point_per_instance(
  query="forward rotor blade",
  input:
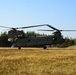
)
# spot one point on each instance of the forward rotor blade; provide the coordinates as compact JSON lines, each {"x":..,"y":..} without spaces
{"x":5,"y":27}
{"x":24,"y":27}
{"x":31,"y":26}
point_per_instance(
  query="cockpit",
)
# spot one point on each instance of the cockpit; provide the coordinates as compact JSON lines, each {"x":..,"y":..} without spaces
{"x":15,"y":34}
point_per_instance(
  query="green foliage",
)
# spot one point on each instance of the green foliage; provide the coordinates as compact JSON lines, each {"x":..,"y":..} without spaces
{"x":33,"y":34}
{"x":75,"y":41}
{"x":30,"y":33}
{"x":68,"y":42}
{"x":3,"y":34}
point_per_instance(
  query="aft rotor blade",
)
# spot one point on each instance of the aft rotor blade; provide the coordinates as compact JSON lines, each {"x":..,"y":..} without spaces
{"x":52,"y":27}
{"x":67,"y":30}
{"x":58,"y":30}
{"x":31,"y":26}
{"x":45,"y":30}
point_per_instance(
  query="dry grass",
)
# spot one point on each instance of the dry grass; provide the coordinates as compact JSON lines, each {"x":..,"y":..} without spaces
{"x":32,"y":61}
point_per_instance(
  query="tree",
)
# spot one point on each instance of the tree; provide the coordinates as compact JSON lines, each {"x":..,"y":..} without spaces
{"x":68,"y":42}
{"x":4,"y":40}
{"x":33,"y":34}
{"x":30,"y":34}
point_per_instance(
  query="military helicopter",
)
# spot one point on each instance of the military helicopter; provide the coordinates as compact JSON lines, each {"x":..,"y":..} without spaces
{"x":19,"y":39}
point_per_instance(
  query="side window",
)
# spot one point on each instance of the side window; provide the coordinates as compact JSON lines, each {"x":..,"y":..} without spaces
{"x":54,"y":38}
{"x":29,"y":40}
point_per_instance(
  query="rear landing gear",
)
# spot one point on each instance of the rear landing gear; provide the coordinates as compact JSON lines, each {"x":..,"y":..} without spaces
{"x":19,"y":47}
{"x":44,"y":47}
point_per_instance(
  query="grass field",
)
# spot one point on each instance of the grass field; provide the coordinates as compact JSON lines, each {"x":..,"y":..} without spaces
{"x":33,"y":61}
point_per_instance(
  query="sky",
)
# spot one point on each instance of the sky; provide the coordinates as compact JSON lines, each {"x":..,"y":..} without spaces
{"x":60,"y":14}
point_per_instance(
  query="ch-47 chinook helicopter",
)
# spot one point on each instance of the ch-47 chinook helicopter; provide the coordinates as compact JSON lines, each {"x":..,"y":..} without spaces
{"x":19,"y":39}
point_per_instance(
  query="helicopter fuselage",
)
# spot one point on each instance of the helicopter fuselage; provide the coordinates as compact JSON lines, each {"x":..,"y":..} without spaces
{"x":38,"y":41}
{"x":19,"y":39}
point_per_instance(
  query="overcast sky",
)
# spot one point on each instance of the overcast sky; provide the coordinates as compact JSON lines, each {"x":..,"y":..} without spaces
{"x":20,"y":13}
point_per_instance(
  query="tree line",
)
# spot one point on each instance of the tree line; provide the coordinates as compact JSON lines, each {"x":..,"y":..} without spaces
{"x":5,"y":43}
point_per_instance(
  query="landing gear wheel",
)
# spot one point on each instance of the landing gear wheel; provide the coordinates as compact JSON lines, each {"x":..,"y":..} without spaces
{"x":19,"y":47}
{"x":44,"y":47}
